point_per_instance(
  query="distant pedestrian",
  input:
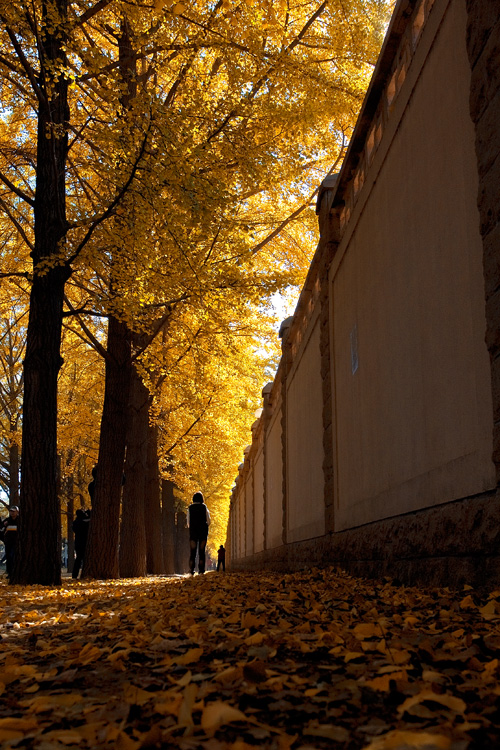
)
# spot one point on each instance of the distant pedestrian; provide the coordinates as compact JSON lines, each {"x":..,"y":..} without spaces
{"x":81,"y":531}
{"x":10,"y":537}
{"x":221,"y":558}
{"x":198,"y":521}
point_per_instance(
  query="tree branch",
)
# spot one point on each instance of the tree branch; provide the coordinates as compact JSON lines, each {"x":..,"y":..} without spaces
{"x":24,"y":62}
{"x":16,"y":190}
{"x":91,"y":339}
{"x":109,"y":211}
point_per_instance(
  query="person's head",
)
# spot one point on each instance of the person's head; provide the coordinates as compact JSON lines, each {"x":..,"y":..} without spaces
{"x":197,"y":497}
{"x":14,"y":511}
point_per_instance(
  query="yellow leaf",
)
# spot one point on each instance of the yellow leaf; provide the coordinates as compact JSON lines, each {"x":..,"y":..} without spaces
{"x":217,"y":714}
{"x":64,"y":736}
{"x":399,"y":657}
{"x":467,"y":603}
{"x":383,"y":682}
{"x":410,"y":621}
{"x":32,"y":689}
{"x":367,"y":630}
{"x":455,"y":704}
{"x":178,"y":9}
{"x":169,"y":705}
{"x":351,"y":655}
{"x":185,"y":679}
{"x":89,"y":653}
{"x":329,"y":731}
{"x":488,"y":609}
{"x":254,"y":640}
{"x":194,"y":654}
{"x":122,"y":654}
{"x":249,"y":620}
{"x":18,"y":725}
{"x":229,"y":675}
{"x":398,"y":739}
{"x":137,"y":696}
{"x":185,"y":717}
{"x":10,"y":734}
{"x":124,"y":742}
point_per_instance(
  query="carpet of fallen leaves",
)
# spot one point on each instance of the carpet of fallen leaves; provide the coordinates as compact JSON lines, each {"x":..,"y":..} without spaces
{"x":237,"y":661}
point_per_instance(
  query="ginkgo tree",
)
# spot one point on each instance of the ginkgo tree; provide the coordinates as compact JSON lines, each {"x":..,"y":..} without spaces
{"x":160,"y":149}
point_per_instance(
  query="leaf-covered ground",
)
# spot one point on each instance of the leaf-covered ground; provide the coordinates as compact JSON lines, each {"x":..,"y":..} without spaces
{"x":237,"y":661}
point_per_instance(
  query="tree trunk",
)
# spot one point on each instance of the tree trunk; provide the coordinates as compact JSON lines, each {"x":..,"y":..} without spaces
{"x":13,"y":474}
{"x":69,"y":524}
{"x":132,"y":532}
{"x":152,"y":514}
{"x":101,"y":560}
{"x":182,"y":544}
{"x":168,"y":522}
{"x":38,"y":559}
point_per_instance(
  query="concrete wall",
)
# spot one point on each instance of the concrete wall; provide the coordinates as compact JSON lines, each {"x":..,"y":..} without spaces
{"x":390,"y":397}
{"x":413,"y":413}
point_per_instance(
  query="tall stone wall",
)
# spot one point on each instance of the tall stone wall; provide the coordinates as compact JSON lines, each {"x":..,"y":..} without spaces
{"x":483,"y":46}
{"x":386,"y":404}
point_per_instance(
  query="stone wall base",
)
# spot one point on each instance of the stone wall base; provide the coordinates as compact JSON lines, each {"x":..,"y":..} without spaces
{"x":449,"y":545}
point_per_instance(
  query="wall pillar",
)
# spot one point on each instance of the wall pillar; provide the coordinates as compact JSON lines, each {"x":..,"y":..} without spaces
{"x":483,"y":47}
{"x":286,"y":364}
{"x":329,"y":239}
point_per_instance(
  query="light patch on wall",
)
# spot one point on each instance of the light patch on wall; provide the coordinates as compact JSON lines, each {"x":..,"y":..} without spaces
{"x":354,"y":349}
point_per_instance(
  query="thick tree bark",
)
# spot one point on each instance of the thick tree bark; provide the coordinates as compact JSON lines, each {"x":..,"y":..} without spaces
{"x":70,"y":514}
{"x":182,"y":544}
{"x":168,"y":522}
{"x":38,"y":559}
{"x":102,"y":547}
{"x":132,"y":531}
{"x":101,"y":559}
{"x":152,"y":508}
{"x":14,"y":474}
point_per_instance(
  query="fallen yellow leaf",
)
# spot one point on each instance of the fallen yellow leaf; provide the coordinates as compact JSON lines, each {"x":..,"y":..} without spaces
{"x":219,"y":713}
{"x":455,"y":704}
{"x":136,"y":695}
{"x":20,"y":725}
{"x":367,"y":630}
{"x":398,"y":739}
{"x":194,"y":654}
{"x":351,"y":655}
{"x":383,"y":682}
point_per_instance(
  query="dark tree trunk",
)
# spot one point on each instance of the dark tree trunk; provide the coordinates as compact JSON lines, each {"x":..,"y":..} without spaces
{"x":182,"y":544}
{"x":39,"y":554}
{"x":133,"y":532}
{"x":168,"y":522}
{"x":152,"y":514}
{"x":14,"y":474}
{"x":69,"y":524}
{"x":101,"y":560}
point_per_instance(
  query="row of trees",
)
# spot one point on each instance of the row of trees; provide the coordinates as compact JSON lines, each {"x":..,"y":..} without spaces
{"x":157,"y":163}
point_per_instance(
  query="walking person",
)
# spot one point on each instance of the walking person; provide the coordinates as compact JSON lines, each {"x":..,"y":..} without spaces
{"x":10,"y":537}
{"x":81,"y":531}
{"x":198,"y":521}
{"x":221,"y":558}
